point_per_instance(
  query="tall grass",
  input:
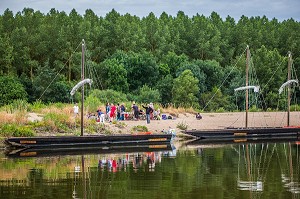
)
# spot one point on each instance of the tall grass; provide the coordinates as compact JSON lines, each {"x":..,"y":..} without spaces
{"x":176,"y":111}
{"x":16,"y":106}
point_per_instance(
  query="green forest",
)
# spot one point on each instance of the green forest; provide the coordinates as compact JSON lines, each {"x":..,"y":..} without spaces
{"x":179,"y":60}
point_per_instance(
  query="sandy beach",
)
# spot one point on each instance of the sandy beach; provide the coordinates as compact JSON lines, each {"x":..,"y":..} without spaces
{"x":219,"y":121}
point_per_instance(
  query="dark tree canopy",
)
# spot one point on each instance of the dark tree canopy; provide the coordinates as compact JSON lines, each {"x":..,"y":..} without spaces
{"x":129,"y":54}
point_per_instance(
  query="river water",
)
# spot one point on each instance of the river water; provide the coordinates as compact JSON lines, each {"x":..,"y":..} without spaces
{"x":265,"y":170}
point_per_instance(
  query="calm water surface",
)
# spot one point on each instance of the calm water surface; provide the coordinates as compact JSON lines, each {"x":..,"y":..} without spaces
{"x":189,"y":171}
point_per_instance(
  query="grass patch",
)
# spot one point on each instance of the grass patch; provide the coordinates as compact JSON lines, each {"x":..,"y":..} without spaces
{"x":182,"y":126}
{"x":139,"y":128}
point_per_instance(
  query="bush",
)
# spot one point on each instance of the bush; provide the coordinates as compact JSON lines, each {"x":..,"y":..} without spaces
{"x":254,"y":109}
{"x":110,"y":96}
{"x":57,"y":121}
{"x":220,"y":110}
{"x":16,"y":131}
{"x":139,"y":128}
{"x":295,"y":107}
{"x":182,"y":126}
{"x":11,"y":89}
{"x":37,"y":106}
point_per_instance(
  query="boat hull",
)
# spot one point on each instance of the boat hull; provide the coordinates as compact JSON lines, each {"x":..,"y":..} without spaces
{"x":86,"y":141}
{"x":71,"y":150}
{"x":202,"y":143}
{"x":245,"y":132}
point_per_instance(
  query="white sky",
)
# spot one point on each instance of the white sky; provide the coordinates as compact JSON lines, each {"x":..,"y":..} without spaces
{"x":280,"y":9}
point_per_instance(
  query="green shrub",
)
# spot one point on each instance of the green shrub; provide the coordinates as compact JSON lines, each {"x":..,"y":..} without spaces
{"x":120,"y":124}
{"x":295,"y":107}
{"x":220,"y":110}
{"x":139,"y":128}
{"x":92,"y":103}
{"x":37,"y":106}
{"x":254,"y":109}
{"x":11,"y":89}
{"x":57,"y":121}
{"x":110,"y":96}
{"x":8,"y":130}
{"x":182,"y":126}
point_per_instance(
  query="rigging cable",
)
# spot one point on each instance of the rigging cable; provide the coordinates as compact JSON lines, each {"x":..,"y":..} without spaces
{"x":59,"y":71}
{"x":224,"y":80}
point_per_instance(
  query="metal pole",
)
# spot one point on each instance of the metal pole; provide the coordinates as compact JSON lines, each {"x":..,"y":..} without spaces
{"x":247,"y":74}
{"x":82,"y":89}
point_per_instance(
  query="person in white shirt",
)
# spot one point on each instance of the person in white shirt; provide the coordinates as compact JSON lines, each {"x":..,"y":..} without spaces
{"x":76,"y":110}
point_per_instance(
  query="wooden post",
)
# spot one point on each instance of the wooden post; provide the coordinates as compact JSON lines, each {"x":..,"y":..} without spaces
{"x":289,"y":89}
{"x":82,"y":89}
{"x":247,"y":74}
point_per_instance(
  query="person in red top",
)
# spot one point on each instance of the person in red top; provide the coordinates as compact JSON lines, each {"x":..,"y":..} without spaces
{"x":113,"y":109}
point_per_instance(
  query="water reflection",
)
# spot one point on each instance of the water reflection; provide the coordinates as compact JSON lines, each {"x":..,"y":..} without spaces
{"x":214,"y":170}
{"x":256,"y":159}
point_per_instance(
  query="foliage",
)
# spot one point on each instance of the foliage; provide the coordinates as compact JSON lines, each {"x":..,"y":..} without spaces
{"x":185,"y":89}
{"x":36,"y":106}
{"x":50,"y":88}
{"x":16,"y":130}
{"x":110,"y":96}
{"x":40,"y":51}
{"x":11,"y":89}
{"x":295,"y":107}
{"x":164,"y":86}
{"x":115,"y":75}
{"x":147,"y":95}
{"x":16,"y":106}
{"x":254,"y":109}
{"x":182,"y":126}
{"x":139,"y":128}
{"x":92,"y":103}
{"x":215,"y":100}
{"x":57,"y":121}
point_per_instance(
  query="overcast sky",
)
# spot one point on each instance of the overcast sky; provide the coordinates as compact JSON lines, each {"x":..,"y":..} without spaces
{"x":280,"y":9}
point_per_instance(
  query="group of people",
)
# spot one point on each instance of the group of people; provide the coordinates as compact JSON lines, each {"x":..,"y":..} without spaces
{"x":117,"y":112}
{"x":112,"y":112}
{"x":150,"y":112}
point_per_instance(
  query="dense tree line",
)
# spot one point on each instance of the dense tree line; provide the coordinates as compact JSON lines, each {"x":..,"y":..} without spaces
{"x":171,"y":59}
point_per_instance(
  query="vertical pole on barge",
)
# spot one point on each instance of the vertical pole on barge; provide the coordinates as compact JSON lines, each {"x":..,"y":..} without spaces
{"x":247,"y":74}
{"x":289,"y":90}
{"x":82,"y":89}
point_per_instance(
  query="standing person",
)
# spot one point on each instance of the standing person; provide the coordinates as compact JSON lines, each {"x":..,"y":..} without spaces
{"x":118,"y":112}
{"x":148,"y":111}
{"x":113,"y":109}
{"x":122,"y":111}
{"x":107,"y":111}
{"x":76,"y":110}
{"x":135,"y":111}
{"x":101,"y":115}
{"x":151,"y":114}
